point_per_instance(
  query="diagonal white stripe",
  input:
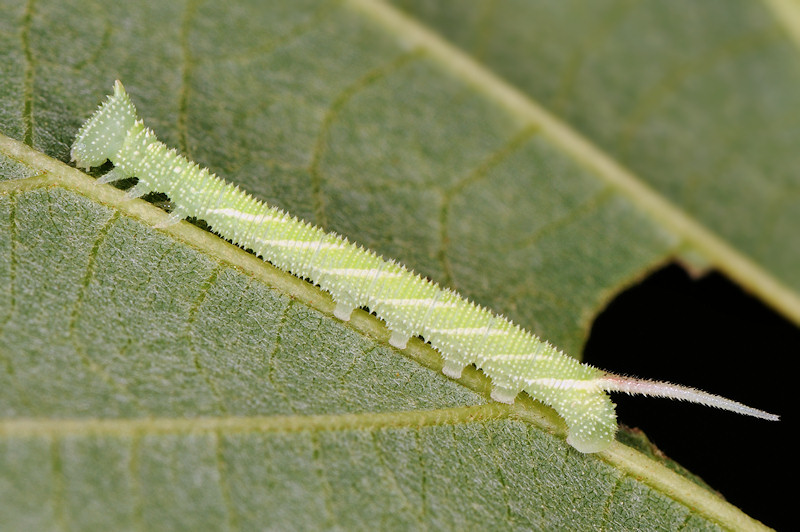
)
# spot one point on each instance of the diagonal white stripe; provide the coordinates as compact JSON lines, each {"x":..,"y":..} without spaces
{"x":416,"y":302}
{"x":356,"y":272}
{"x":460,"y":330}
{"x":520,"y":356}
{"x":592,"y":385}
{"x":296,"y":244}
{"x":246,"y":217}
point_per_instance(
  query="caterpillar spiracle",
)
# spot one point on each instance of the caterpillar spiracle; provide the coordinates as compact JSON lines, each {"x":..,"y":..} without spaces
{"x":462,"y":332}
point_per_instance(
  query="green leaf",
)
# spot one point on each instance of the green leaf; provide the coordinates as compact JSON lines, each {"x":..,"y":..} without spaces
{"x":537,"y":158}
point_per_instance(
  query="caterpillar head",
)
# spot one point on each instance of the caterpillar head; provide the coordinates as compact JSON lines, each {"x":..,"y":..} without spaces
{"x":101,"y":136}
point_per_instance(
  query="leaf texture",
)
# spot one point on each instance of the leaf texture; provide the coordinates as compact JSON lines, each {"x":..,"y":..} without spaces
{"x":168,"y":380}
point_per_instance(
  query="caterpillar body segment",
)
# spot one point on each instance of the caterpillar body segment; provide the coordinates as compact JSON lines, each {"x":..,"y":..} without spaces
{"x":464,"y":333}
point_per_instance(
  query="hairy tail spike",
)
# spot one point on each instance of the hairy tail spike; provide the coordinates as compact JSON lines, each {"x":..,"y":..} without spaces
{"x":634,"y":386}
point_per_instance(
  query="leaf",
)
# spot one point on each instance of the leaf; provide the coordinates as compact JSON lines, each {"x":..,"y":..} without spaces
{"x":166,"y":379}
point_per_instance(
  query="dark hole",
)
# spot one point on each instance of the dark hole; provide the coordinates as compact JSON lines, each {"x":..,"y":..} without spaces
{"x":710,"y":334}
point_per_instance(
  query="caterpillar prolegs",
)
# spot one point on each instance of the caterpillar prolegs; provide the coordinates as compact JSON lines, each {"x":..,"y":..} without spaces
{"x":461,"y":331}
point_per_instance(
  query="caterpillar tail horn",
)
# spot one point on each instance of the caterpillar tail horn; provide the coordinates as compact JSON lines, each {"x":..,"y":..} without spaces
{"x":634,"y":386}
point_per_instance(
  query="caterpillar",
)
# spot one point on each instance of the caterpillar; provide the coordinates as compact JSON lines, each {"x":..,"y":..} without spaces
{"x":463,"y":332}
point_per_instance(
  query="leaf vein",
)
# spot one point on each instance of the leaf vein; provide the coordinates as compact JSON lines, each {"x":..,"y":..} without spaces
{"x":338,"y":103}
{"x":123,"y":428}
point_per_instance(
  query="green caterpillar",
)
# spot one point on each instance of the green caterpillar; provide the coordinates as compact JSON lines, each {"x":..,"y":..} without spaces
{"x":463,"y":332}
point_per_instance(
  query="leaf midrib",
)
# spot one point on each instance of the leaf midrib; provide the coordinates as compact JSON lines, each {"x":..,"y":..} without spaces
{"x":747,"y":273}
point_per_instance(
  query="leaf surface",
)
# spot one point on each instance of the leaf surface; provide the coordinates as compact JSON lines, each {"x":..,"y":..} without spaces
{"x":165,"y":379}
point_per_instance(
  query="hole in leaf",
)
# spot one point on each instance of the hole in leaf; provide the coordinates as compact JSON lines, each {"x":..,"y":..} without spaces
{"x":709,"y":334}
